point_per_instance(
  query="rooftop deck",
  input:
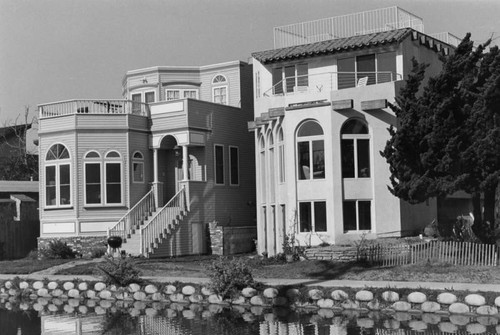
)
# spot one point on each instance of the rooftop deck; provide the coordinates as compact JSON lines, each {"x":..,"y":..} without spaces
{"x":93,"y":106}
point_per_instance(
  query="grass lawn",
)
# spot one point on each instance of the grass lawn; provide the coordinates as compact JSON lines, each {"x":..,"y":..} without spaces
{"x":193,"y":266}
{"x":26,"y":266}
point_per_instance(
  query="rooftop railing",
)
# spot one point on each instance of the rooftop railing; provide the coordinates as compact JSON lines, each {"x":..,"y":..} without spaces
{"x":448,"y":38}
{"x":94,"y":106}
{"x":361,"y":23}
{"x":329,"y":81}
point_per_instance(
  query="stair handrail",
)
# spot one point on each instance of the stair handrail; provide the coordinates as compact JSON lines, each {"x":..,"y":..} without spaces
{"x":146,"y":204}
{"x":159,"y":222}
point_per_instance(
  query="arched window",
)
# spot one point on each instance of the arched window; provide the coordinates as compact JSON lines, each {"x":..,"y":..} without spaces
{"x":219,"y":89}
{"x":57,"y":177}
{"x":310,"y":151}
{"x":138,"y":167}
{"x":355,"y":149}
{"x":281,"y":156}
{"x":103,"y":179}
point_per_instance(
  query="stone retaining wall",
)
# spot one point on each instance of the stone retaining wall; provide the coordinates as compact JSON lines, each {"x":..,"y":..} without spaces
{"x":82,"y":245}
{"x":385,"y":300}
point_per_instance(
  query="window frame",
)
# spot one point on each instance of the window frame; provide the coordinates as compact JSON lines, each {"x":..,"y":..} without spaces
{"x":281,"y":156}
{"x":222,"y":165}
{"x":312,"y":215}
{"x":310,"y":145}
{"x":139,"y":162}
{"x":357,"y":230}
{"x":354,"y":138}
{"x":220,"y":84}
{"x":297,"y":78}
{"x":57,"y":163}
{"x":103,"y":161}
{"x":231,"y":147}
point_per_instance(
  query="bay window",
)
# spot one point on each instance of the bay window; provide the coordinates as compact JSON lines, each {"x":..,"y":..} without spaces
{"x":103,"y":179}
{"x":57,"y":177}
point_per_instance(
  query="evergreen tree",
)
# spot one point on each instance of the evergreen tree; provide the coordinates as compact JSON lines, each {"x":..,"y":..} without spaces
{"x":448,"y":134}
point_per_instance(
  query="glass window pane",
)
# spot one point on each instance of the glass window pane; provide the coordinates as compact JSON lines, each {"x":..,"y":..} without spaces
{"x":113,"y":193}
{"x":136,"y":102}
{"x":302,"y":75}
{"x":50,"y":189}
{"x":364,"y":208}
{"x":354,"y":126}
{"x":318,"y":160}
{"x":65,"y":195}
{"x":138,"y":155}
{"x":233,"y":153}
{"x":138,"y":171}
{"x":93,"y":173}
{"x":346,"y":75}
{"x":93,"y":183}
{"x":363,"y":158}
{"x":290,"y":78}
{"x":366,"y":68}
{"x":386,"y":67}
{"x":310,"y":128}
{"x":349,"y":213}
{"x":277,"y":84}
{"x":149,"y":97}
{"x":113,"y":173}
{"x":320,"y":216}
{"x":303,"y":160}
{"x":219,"y":165}
{"x":305,"y":216}
{"x":92,"y":154}
{"x":64,"y":185}
{"x":281,"y":163}
{"x":347,"y":158}
{"x":64,"y":174}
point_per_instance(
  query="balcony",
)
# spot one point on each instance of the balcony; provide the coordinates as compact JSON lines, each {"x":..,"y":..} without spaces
{"x":94,"y":106}
{"x":319,"y":87}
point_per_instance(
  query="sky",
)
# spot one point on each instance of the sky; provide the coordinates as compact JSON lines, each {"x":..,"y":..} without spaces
{"x":53,"y":50}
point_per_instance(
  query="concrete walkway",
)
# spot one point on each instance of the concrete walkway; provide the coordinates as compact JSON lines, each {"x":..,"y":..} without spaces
{"x":280,"y":282}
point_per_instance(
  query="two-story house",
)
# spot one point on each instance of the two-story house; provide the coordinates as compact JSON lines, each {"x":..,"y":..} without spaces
{"x":321,"y":119}
{"x":153,"y":168}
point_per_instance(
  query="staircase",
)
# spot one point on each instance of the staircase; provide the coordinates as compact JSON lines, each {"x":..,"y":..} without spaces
{"x":144,"y":227}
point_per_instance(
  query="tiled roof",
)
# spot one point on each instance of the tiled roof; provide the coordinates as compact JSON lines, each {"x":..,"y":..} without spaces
{"x":332,"y":46}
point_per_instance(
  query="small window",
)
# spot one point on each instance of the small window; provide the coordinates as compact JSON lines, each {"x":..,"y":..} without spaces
{"x":312,"y":216}
{"x":234,"y":169}
{"x":219,"y":79}
{"x":136,"y":103}
{"x":191,"y":94}
{"x":149,"y":97}
{"x":173,"y":95}
{"x":219,"y":90}
{"x":57,"y":177}
{"x":219,"y":165}
{"x":357,"y":215}
{"x":138,"y":168}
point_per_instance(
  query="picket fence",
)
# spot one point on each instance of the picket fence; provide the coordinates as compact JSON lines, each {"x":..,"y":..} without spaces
{"x":456,"y":253}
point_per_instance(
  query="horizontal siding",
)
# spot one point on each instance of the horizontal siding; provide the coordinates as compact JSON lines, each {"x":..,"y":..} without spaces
{"x":138,"y":122}
{"x":140,"y":142}
{"x":56,"y":124}
{"x":172,"y":120}
{"x":233,"y":82}
{"x":102,"y":121}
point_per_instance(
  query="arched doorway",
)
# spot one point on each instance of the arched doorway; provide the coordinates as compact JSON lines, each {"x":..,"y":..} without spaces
{"x":169,"y":166}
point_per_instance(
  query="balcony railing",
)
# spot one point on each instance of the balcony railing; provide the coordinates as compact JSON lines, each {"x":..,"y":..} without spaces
{"x":329,"y":81}
{"x":95,"y":106}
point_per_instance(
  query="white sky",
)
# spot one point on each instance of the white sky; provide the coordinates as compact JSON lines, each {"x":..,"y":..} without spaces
{"x":52,"y":50}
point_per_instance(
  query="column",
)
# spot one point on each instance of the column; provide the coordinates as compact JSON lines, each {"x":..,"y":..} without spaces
{"x":185,"y":163}
{"x":156,"y":183}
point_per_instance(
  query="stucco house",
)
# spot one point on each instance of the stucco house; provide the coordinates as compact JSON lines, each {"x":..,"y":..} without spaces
{"x":154,"y":168}
{"x":321,"y":119}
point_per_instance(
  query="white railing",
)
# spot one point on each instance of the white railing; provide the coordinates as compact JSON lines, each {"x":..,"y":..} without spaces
{"x":141,"y":210}
{"x":163,"y":222}
{"x":361,"y":23}
{"x":329,"y":81}
{"x":448,"y":38}
{"x":93,"y":106}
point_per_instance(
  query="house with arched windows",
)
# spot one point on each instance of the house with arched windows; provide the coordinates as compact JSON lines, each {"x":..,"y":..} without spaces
{"x":321,"y":118}
{"x":154,"y":167}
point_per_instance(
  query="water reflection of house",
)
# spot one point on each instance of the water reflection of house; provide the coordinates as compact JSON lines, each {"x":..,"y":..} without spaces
{"x":154,"y":168}
{"x":321,"y":119}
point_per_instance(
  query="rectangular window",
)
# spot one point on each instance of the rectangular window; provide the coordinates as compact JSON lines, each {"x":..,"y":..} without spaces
{"x":347,"y":158}
{"x":50,"y":186}
{"x":312,"y":216}
{"x":277,"y":80}
{"x":346,"y":73}
{"x":136,"y":103}
{"x":365,"y":68}
{"x":257,"y":84}
{"x":281,"y":152}
{"x":318,"y":159}
{"x":357,"y":215}
{"x":191,"y":94}
{"x":173,"y":95}
{"x":363,"y":155}
{"x":287,"y":79}
{"x":386,"y":67}
{"x":302,"y":75}
{"x":138,"y":172}
{"x":149,"y":97}
{"x":372,"y":68}
{"x":113,"y":183}
{"x":355,"y":158}
{"x":64,"y":185}
{"x":303,"y":153}
{"x":234,"y":166}
{"x":93,"y":183}
{"x":220,"y":95}
{"x":219,"y":165}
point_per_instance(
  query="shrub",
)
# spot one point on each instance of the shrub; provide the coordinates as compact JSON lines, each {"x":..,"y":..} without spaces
{"x":98,"y":252}
{"x":120,"y":272}
{"x":58,"y":249}
{"x":229,"y":276}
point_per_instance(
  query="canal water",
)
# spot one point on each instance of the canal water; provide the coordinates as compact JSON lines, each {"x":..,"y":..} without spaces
{"x":43,"y":316}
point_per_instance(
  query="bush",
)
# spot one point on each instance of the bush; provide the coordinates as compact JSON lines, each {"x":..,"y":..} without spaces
{"x":59,"y":250}
{"x":98,"y":252}
{"x":229,"y":276}
{"x":120,"y":272}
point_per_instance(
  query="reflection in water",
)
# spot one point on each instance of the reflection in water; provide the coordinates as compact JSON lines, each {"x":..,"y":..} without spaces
{"x":63,"y":316}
